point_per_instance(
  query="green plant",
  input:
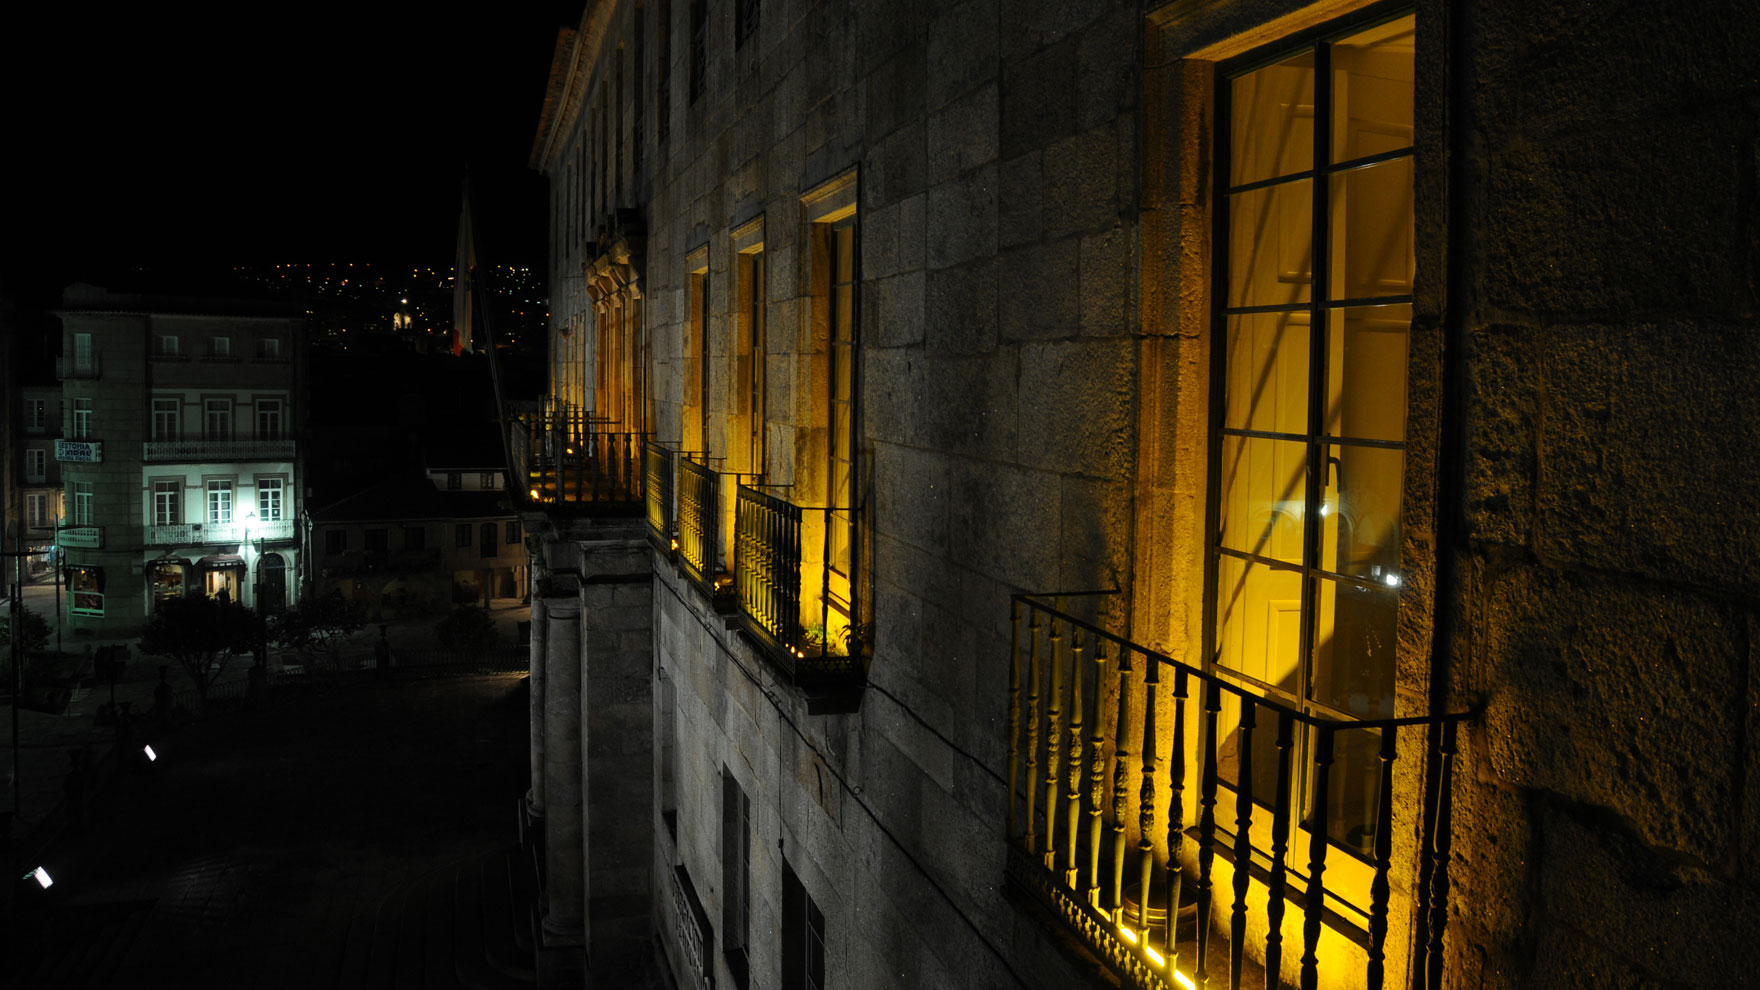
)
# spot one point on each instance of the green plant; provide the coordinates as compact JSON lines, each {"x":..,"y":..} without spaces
{"x":33,"y":630}
{"x":319,"y":625}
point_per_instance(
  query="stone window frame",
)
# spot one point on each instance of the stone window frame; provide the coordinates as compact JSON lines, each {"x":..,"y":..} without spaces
{"x":266,"y":406}
{"x":165,"y":485}
{"x":212,"y":485}
{"x":175,"y":421}
{"x":823,"y":208}
{"x":82,"y":418}
{"x":1184,"y":41}
{"x":694,"y":352}
{"x":36,"y":464}
{"x":219,"y":404}
{"x":277,"y":482}
{"x":36,"y":415}
{"x":83,"y":503}
{"x":750,"y":351}
{"x":36,"y":509}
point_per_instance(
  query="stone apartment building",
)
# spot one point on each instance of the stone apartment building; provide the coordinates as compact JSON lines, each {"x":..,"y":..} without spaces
{"x":1055,"y":494}
{"x":35,"y":496}
{"x":179,"y":453}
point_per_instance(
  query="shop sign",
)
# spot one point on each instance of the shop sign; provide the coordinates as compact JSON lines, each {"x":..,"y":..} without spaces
{"x":79,"y":451}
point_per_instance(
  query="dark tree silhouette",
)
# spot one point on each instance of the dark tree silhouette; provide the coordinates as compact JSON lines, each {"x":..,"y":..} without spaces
{"x":202,"y":634}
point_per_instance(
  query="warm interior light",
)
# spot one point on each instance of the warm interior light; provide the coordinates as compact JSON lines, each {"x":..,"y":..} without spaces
{"x":41,"y":876}
{"x":151,"y":756}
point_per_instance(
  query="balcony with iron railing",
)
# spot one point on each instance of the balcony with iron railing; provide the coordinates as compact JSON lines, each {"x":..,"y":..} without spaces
{"x":659,"y":467}
{"x":211,"y":450}
{"x":574,"y":462}
{"x":699,"y":518}
{"x":1281,"y":821}
{"x":202,"y":534}
{"x":788,"y":608}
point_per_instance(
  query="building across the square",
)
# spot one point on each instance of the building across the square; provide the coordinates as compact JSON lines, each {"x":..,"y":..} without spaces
{"x":1214,"y":492}
{"x":179,"y":453}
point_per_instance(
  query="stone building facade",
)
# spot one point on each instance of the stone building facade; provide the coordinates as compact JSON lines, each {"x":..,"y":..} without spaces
{"x":179,"y":454}
{"x":1037,"y":465}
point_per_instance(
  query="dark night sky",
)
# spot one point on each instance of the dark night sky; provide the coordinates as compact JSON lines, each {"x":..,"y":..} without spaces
{"x":269,"y":134}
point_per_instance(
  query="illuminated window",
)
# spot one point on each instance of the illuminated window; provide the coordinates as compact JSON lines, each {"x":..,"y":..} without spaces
{"x":220,"y":503}
{"x":82,"y":503}
{"x":1315,"y":242}
{"x":36,"y":464}
{"x":269,"y":499}
{"x":696,"y":394}
{"x":217,"y":419}
{"x":803,"y":935}
{"x":167,"y":416}
{"x":167,"y":496}
{"x":82,"y":419}
{"x":486,"y":480}
{"x":841,"y":491}
{"x":268,"y":419}
{"x":751,"y":401}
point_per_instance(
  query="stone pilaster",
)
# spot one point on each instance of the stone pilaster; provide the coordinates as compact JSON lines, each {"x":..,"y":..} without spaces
{"x":540,"y":636}
{"x":563,"y":810}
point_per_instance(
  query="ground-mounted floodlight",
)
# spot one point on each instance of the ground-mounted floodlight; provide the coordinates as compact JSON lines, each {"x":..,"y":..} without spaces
{"x":148,"y":751}
{"x":41,"y":876}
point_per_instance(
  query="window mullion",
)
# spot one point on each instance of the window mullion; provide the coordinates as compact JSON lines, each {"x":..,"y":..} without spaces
{"x":1319,"y":282}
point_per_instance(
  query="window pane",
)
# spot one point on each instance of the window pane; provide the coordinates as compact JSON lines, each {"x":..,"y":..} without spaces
{"x":1352,"y":788}
{"x":1271,"y":130}
{"x":1372,"y":90}
{"x":1259,"y":622}
{"x":1360,"y":513}
{"x":1270,"y":244}
{"x":1264,"y":483}
{"x":1366,"y":370}
{"x":1371,"y":231}
{"x":1267,"y":385}
{"x":1354,"y":647}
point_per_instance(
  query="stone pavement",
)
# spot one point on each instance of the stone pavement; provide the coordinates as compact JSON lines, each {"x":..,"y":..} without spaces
{"x":345,"y":833}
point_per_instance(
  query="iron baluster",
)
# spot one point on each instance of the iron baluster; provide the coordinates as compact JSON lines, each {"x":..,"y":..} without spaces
{"x":1146,"y":799}
{"x":1278,"y":891}
{"x":1243,"y":839}
{"x":1053,"y":742}
{"x":1120,"y":782}
{"x":1073,"y":797}
{"x":1316,"y":905}
{"x":1440,"y":842}
{"x":1096,"y":772}
{"x":1207,"y":829}
{"x":1378,"y":889}
{"x":1176,"y":817}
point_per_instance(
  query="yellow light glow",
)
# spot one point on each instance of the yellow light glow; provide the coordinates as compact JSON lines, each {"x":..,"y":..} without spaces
{"x":1184,"y":980}
{"x":1129,"y":936}
{"x":534,"y":493}
{"x":1156,"y":956}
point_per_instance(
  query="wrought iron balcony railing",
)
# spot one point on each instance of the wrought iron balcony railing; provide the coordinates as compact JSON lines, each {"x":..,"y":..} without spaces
{"x":570,"y":460}
{"x":767,"y":572}
{"x":251,"y":449}
{"x":199,"y":534}
{"x":1313,"y":824}
{"x":699,"y":510}
{"x":658,"y":467}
